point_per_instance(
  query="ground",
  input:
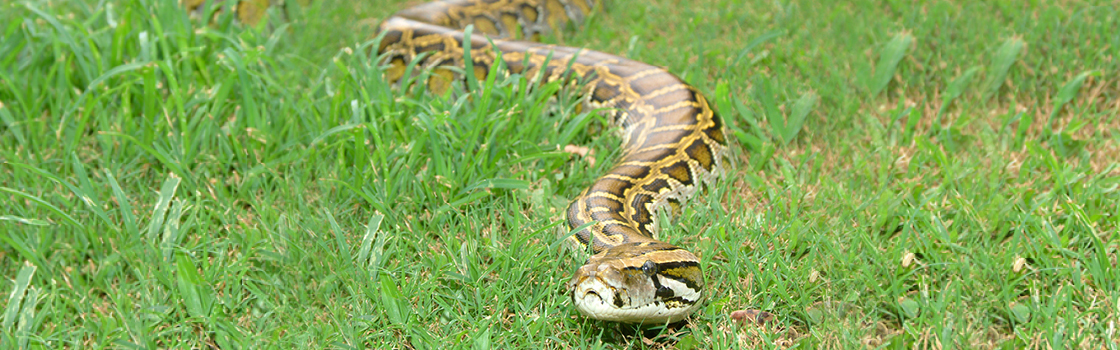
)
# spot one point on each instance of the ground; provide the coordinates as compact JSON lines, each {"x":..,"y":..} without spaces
{"x":931,"y":174}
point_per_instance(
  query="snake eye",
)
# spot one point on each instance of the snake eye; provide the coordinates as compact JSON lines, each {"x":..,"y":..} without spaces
{"x":649,"y":268}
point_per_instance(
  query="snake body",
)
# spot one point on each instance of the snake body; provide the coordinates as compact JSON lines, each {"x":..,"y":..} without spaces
{"x":673,"y":142}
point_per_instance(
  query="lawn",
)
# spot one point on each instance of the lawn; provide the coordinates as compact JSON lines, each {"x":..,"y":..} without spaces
{"x":910,"y":174}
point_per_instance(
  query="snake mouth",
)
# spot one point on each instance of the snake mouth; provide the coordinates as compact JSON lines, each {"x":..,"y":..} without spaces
{"x":585,"y":291}
{"x":592,"y":293}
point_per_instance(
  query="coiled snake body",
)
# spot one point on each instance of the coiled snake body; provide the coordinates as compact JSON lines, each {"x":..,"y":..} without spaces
{"x":673,"y":143}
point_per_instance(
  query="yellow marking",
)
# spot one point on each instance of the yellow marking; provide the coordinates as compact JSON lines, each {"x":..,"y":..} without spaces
{"x":671,"y":88}
{"x":605,"y":194}
{"x":641,"y":74}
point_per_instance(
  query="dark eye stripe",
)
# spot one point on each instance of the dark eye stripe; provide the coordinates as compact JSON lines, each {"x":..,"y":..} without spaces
{"x":679,"y":264}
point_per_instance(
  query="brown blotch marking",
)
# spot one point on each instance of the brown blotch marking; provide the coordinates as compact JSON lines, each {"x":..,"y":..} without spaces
{"x":666,"y":91}
{"x":574,"y":210}
{"x":605,"y":92}
{"x":617,"y":229}
{"x":681,"y":116}
{"x":631,"y":171}
{"x":653,"y":82}
{"x":607,"y":217}
{"x":436,"y":46}
{"x":648,"y":155}
{"x":666,"y":137}
{"x":668,"y":97}
{"x":699,"y":151}
{"x":391,"y":37}
{"x":611,"y":204}
{"x":613,"y":186}
{"x":679,"y":171}
{"x":641,"y":213}
{"x":656,"y":185}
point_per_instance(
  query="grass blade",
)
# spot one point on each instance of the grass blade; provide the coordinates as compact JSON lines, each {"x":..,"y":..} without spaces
{"x":166,"y":193}
{"x":66,"y":217}
{"x":509,"y":184}
{"x":757,"y":41}
{"x":25,"y":221}
{"x":957,"y":86}
{"x":125,"y":206}
{"x":23,"y":280}
{"x":390,"y":300}
{"x":1001,"y":65}
{"x":1069,"y":91}
{"x":188,"y":282}
{"x":10,"y":123}
{"x":171,"y":230}
{"x":27,"y":317}
{"x":364,"y":253}
{"x":888,"y":61}
{"x":801,"y":109}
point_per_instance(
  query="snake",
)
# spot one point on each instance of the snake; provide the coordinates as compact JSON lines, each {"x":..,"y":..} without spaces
{"x":673,"y":142}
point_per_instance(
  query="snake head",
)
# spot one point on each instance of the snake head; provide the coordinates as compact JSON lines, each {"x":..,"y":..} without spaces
{"x":647,"y":282}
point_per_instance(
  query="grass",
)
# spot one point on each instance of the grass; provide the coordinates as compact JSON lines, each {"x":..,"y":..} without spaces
{"x":911,"y":175}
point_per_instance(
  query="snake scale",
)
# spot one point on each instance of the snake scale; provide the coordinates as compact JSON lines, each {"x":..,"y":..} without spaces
{"x":673,"y":143}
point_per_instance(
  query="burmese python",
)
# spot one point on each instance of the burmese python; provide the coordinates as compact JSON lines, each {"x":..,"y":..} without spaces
{"x":673,"y":143}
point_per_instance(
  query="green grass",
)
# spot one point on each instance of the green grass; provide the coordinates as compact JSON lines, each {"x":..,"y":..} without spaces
{"x":911,"y":175}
